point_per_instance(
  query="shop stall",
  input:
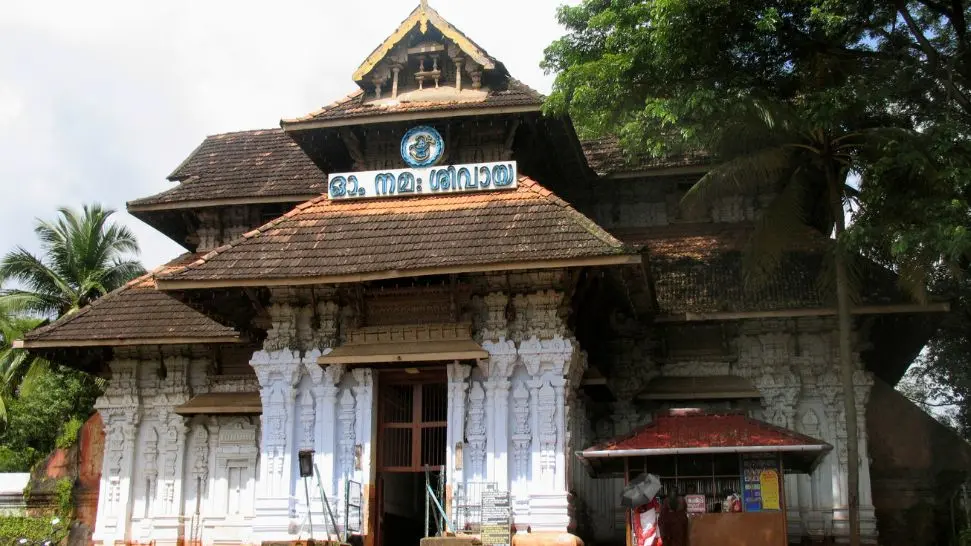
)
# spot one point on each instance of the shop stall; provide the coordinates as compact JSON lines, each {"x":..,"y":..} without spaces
{"x":723,"y":471}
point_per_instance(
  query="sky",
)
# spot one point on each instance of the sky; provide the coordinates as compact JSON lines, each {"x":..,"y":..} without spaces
{"x":100,"y":100}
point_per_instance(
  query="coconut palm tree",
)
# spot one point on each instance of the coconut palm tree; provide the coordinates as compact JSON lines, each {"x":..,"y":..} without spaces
{"x":84,"y":257}
{"x":14,"y":363}
{"x":804,"y":165}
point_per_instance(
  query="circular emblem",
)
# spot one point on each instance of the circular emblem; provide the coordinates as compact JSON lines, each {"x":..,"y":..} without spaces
{"x":421,"y":146}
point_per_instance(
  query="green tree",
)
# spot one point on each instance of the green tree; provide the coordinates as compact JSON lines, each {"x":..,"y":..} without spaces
{"x":14,"y":362}
{"x":84,"y":257}
{"x":790,"y":96}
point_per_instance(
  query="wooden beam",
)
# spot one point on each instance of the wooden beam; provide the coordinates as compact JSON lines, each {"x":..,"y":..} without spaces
{"x":41,"y":344}
{"x":304,"y":125}
{"x":206,"y":203}
{"x":903,"y":308}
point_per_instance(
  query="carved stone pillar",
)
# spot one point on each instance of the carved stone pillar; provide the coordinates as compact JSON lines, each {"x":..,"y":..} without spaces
{"x":458,"y":375}
{"x":120,"y":412}
{"x":863,"y":381}
{"x":325,"y":381}
{"x":476,"y":431}
{"x":278,"y":373}
{"x":548,"y":362}
{"x":364,"y":424}
{"x":498,"y":368}
{"x":198,"y":485}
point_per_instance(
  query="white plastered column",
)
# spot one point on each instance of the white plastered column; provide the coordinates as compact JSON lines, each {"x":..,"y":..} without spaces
{"x":497,"y":369}
{"x":548,"y":364}
{"x":458,"y":375}
{"x":365,"y":414}
{"x":278,"y":373}
{"x":120,"y":409}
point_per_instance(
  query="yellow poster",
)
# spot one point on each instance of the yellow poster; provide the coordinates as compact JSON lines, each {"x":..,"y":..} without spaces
{"x":769,"y":482}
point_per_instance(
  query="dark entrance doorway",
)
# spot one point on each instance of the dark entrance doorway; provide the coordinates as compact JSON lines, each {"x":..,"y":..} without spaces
{"x":412,"y":421}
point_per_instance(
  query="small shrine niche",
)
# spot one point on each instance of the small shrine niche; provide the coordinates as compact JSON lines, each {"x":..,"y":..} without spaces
{"x":428,"y":64}
{"x":427,"y":59}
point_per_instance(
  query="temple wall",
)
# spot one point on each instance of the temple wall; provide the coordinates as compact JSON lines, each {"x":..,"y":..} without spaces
{"x":514,"y":420}
{"x":794,"y":364}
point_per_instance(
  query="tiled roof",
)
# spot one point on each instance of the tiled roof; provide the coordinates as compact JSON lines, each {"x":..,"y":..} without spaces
{"x":135,"y":312}
{"x":605,"y":156}
{"x":383,"y":238}
{"x":693,"y":429}
{"x":355,"y":104}
{"x":698,"y":268}
{"x":248,"y":164}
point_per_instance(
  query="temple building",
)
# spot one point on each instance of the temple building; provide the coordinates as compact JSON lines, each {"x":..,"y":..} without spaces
{"x":436,"y":290}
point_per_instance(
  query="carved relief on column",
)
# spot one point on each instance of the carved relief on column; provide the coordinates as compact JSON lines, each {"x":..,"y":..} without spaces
{"x":325,"y":335}
{"x":363,"y":394}
{"x":517,"y":328}
{"x":120,"y":411}
{"x":521,"y":434}
{"x":151,"y":469}
{"x":498,"y":368}
{"x":543,"y":314}
{"x":476,"y":431}
{"x":282,"y":334}
{"x":306,"y":438}
{"x":494,"y":324}
{"x":200,"y":459}
{"x":346,"y":436}
{"x":458,"y":375}
{"x":278,"y":373}
{"x":546,"y":409}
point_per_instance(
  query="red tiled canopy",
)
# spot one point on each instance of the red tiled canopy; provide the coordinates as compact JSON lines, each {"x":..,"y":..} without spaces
{"x":693,"y":432}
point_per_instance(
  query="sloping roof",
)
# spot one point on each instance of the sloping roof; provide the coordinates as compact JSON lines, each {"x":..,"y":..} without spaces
{"x":352,"y":240}
{"x":135,"y":314}
{"x":690,"y":432}
{"x":606,"y":157}
{"x":253,"y":165}
{"x":516,"y":95}
{"x":695,"y":429}
{"x":420,"y":17}
{"x":698,"y":269}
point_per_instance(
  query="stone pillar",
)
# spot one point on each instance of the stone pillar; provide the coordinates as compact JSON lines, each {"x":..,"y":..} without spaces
{"x":325,"y":389}
{"x":458,"y":375}
{"x":364,"y":432}
{"x":278,"y":373}
{"x":497,"y":369}
{"x":548,"y":363}
{"x":868,"y":523}
{"x":476,"y":432}
{"x":168,"y":500}
{"x":198,"y":484}
{"x":120,"y":408}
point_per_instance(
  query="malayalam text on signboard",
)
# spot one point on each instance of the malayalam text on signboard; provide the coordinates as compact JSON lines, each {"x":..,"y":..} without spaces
{"x":472,"y":177}
{"x":496,"y":518}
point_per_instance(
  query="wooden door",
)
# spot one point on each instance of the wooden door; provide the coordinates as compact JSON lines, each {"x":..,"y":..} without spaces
{"x":412,"y":421}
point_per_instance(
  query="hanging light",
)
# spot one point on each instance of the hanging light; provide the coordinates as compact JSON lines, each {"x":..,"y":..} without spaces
{"x":306,"y":458}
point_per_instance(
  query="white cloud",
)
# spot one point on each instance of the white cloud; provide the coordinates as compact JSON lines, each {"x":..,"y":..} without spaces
{"x":100,"y":100}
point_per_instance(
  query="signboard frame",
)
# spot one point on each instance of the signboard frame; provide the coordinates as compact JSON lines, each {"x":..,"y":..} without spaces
{"x":496,"y":527}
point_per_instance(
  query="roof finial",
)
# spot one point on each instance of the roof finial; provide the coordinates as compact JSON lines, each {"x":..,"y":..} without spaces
{"x":423,"y":15}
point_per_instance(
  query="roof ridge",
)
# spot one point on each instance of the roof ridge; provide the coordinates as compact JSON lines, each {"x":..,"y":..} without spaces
{"x":246,"y":131}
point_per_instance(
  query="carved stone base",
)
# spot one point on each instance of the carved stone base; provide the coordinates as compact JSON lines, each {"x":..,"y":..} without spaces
{"x":272,"y":521}
{"x":549,"y":512}
{"x":546,"y":539}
